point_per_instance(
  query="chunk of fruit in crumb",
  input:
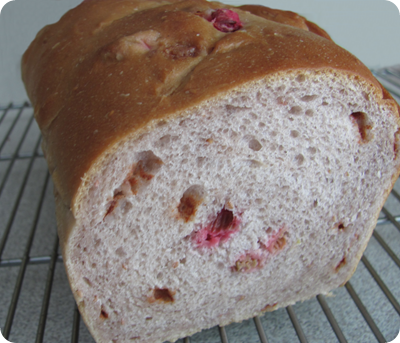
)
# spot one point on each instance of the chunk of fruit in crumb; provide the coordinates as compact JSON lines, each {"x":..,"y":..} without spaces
{"x":145,"y":169}
{"x":190,"y":201}
{"x":269,"y":308}
{"x":219,"y":231}
{"x":249,"y":262}
{"x":256,"y":259}
{"x":161,"y":295}
{"x":103,"y":313}
{"x":276,"y":242}
{"x":187,"y":207}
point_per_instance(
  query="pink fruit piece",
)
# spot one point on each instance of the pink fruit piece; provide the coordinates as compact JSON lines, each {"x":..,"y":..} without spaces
{"x":225,"y":20}
{"x":219,"y":231}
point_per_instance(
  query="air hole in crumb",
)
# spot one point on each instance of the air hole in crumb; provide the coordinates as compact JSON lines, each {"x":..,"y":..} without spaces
{"x":184,"y":122}
{"x":296,"y":110}
{"x":164,"y":141}
{"x":255,"y":145}
{"x":281,"y":88}
{"x":301,"y":78}
{"x":281,"y":100}
{"x":149,"y":318}
{"x":294,"y":133}
{"x":312,"y":150}
{"x":309,"y":113}
{"x":121,"y":252}
{"x":127,"y":207}
{"x":161,"y":123}
{"x":341,"y":227}
{"x":361,"y":120}
{"x":190,"y":201}
{"x":299,"y":159}
{"x":87,"y":281}
{"x":308,"y":98}
{"x":200,"y":161}
{"x":159,"y":275}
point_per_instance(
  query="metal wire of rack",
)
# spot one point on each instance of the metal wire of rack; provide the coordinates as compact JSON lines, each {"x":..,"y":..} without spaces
{"x":36,"y":304}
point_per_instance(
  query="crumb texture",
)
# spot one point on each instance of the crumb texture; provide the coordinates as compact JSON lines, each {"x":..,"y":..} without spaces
{"x":252,"y":201}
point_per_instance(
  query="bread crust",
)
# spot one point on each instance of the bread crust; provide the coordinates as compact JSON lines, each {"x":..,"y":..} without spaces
{"x":105,"y":91}
{"x":285,"y":17}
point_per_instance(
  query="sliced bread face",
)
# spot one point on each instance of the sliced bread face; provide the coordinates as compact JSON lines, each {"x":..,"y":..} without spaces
{"x":257,"y":198}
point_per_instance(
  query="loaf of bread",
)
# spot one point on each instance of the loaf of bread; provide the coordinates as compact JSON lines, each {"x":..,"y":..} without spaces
{"x":209,"y":162}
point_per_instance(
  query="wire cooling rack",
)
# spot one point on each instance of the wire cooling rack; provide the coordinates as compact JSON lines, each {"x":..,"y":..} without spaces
{"x":36,"y":304}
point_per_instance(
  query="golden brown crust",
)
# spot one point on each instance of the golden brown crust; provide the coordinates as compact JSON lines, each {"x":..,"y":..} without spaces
{"x":285,"y":17}
{"x":121,"y":65}
{"x":314,"y":28}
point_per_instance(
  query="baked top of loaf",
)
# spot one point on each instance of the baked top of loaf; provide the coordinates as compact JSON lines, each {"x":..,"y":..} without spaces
{"x":176,"y":58}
